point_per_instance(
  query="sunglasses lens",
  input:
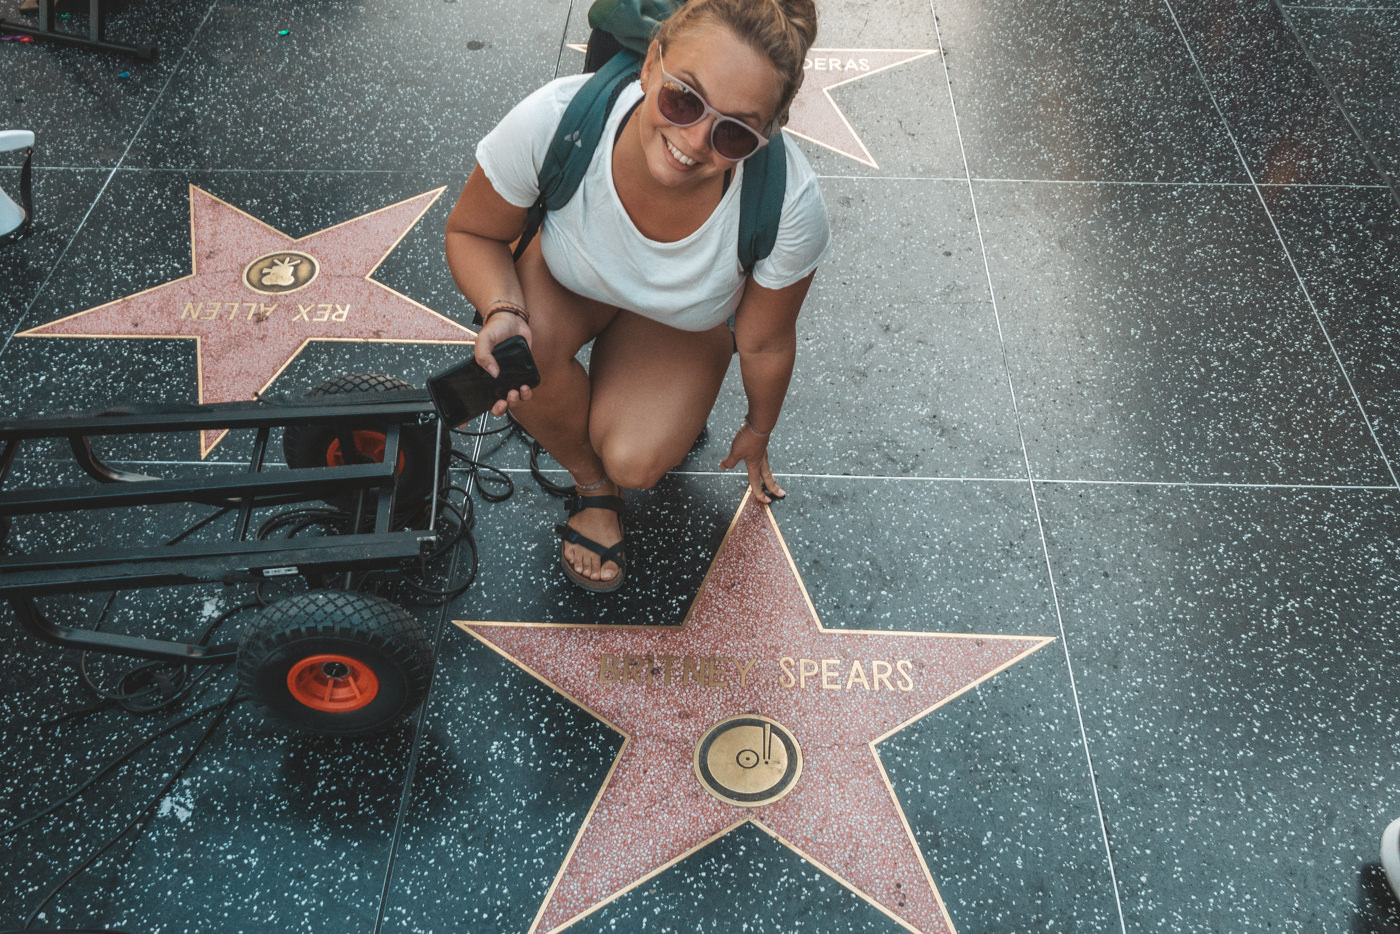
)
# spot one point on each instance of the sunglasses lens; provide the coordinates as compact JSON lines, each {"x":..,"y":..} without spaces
{"x":732,"y":139}
{"x":678,"y":105}
{"x":683,"y":107}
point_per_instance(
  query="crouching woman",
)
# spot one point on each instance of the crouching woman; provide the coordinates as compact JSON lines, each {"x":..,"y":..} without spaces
{"x":643,"y":262}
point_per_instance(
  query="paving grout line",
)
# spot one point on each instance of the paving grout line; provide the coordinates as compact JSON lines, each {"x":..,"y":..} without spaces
{"x":234,"y":170}
{"x":1283,"y":244}
{"x":1342,"y":186}
{"x":1335,"y":98}
{"x":950,"y":478}
{"x":980,"y":179}
{"x":1030,"y":479}
{"x":410,"y":775}
{"x":53,"y":267}
{"x":1110,"y":183}
{"x":875,"y":478}
{"x":63,"y":168}
{"x":1221,"y":485}
{"x":421,"y":718}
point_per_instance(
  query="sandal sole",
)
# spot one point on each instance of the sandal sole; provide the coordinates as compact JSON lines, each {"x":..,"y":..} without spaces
{"x":588,"y":583}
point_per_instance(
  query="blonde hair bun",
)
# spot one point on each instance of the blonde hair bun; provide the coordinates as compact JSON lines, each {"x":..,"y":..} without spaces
{"x":783,"y":30}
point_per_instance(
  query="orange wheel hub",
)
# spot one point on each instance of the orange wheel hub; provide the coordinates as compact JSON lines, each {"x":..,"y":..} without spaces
{"x":333,"y":683}
{"x":369,"y":444}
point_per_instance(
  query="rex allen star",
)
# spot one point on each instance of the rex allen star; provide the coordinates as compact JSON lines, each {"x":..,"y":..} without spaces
{"x":256,"y":297}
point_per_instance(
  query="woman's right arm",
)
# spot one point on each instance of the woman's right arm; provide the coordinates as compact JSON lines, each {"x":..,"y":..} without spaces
{"x":480,"y":231}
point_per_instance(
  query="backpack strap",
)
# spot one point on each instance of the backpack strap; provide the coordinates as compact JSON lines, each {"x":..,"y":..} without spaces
{"x":761,"y":202}
{"x":576,"y":139}
{"x":581,"y":128}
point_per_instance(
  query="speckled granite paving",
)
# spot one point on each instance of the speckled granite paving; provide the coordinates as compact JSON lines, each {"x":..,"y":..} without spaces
{"x":1082,"y":614}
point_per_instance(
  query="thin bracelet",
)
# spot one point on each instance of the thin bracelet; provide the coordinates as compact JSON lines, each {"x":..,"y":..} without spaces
{"x":749,"y":425}
{"x":590,"y":487}
{"x":509,"y":308}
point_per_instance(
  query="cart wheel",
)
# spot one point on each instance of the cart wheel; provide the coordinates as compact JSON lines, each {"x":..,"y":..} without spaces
{"x":318,"y":445}
{"x":336,"y":662}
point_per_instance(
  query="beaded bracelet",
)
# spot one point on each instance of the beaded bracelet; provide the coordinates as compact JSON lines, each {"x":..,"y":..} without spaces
{"x":509,"y":308}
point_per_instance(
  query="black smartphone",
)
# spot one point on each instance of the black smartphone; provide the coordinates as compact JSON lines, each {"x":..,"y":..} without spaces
{"x":462,"y":392}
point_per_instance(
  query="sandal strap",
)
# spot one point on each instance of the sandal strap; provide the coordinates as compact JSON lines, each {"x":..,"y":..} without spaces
{"x":577,"y":503}
{"x":615,"y":553}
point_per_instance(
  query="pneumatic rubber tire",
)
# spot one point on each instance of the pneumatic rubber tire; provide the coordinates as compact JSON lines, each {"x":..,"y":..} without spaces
{"x":336,"y":663}
{"x":318,"y":445}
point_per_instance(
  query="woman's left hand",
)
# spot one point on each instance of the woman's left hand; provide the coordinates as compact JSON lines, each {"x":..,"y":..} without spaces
{"x":752,"y":448}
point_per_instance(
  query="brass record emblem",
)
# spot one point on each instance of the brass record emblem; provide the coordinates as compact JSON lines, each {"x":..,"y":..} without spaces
{"x":280,"y":273}
{"x":748,"y":760}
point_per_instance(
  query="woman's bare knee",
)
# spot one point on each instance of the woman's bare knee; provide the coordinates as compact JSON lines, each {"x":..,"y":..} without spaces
{"x":634,"y":476}
{"x":633,"y":466}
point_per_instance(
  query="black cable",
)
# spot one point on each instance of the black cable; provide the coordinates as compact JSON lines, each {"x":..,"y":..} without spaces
{"x":484,"y":476}
{"x":438,"y":597}
{"x":299,"y":520}
{"x":465,"y":520}
{"x":450,"y":534}
{"x":149,"y":678}
{"x":546,"y":484}
{"x":485,"y":432}
{"x":166,"y":682}
{"x":499,"y":476}
{"x":223,"y":710}
{"x":292,"y":523}
{"x":222,"y":618}
{"x":535,"y":448}
{"x":155,"y":680}
{"x":111,"y":764}
{"x":91,"y":685}
{"x":76,"y":714}
{"x":454,"y":529}
{"x":217,"y":514}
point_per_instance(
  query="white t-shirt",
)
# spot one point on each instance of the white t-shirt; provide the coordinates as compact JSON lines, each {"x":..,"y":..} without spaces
{"x":593,"y":249}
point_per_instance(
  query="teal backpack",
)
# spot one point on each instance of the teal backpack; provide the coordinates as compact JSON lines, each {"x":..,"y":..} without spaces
{"x":622,"y":29}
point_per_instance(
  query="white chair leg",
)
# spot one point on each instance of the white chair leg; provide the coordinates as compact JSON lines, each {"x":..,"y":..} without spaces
{"x":11,"y":214}
{"x":1390,"y":855}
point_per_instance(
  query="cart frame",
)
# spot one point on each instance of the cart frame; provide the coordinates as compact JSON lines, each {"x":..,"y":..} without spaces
{"x":373,"y":487}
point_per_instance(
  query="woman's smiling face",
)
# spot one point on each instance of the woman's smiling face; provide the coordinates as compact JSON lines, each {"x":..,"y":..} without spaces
{"x":729,"y":75}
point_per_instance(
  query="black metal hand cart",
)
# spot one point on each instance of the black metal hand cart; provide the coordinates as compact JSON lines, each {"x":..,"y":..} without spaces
{"x":330,"y":659}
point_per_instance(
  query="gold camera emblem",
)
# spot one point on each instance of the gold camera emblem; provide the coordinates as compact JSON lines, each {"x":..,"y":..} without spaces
{"x":748,"y":761}
{"x":280,"y":273}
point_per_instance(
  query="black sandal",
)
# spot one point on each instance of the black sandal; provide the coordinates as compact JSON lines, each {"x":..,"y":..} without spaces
{"x":616,"y":553}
